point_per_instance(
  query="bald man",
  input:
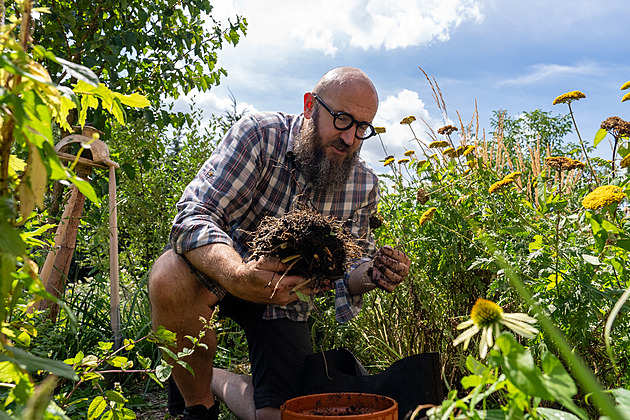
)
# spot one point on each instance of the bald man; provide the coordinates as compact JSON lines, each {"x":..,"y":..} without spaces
{"x":267,"y":164}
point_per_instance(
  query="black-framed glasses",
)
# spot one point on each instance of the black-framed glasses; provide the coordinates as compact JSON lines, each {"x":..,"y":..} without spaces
{"x":344,"y":121}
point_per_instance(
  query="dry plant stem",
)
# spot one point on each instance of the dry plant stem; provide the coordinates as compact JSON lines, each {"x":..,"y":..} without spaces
{"x":588,"y":161}
{"x":275,"y":289}
{"x":299,"y":286}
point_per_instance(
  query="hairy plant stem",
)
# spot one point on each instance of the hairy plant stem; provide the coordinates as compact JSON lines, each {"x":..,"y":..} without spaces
{"x":588,"y":160}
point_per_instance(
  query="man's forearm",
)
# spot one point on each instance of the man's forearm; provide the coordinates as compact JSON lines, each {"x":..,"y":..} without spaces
{"x":359,"y":282}
{"x":220,"y":262}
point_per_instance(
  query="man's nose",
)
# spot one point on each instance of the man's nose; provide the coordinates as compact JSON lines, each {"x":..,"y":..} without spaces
{"x":348,"y":136}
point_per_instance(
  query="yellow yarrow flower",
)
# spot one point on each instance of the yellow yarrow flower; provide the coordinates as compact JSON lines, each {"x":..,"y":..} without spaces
{"x":408,"y":120}
{"x":487,"y":317}
{"x":438,"y":144}
{"x":450,"y":152}
{"x":401,"y":161}
{"x":409,"y":152}
{"x":379,"y":130}
{"x":569,"y":97}
{"x":626,"y":85}
{"x":513,"y":175}
{"x":625,"y":162}
{"x":605,"y":195}
{"x":469,"y":150}
{"x":421,"y":162}
{"x":388,"y":161}
{"x":626,"y":97}
{"x":427,"y":216}
{"x":500,"y":184}
{"x":460,"y":150}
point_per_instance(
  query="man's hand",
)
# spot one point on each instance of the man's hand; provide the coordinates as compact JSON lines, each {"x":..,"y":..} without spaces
{"x":389,"y":268}
{"x":268,"y":282}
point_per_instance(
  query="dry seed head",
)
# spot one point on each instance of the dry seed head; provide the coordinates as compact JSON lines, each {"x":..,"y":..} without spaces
{"x":616,"y":127}
{"x":422,"y":196}
{"x":447,"y":129}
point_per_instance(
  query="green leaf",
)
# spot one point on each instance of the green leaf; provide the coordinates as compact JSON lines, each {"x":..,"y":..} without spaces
{"x":86,"y":189}
{"x":163,"y":371}
{"x":96,"y":408}
{"x":536,"y":244}
{"x":599,"y":136}
{"x":135,"y":100}
{"x":33,"y":363}
{"x":78,"y":71}
{"x":11,"y":243}
{"x":551,"y":414}
{"x":591,"y":259}
{"x":115,"y":396}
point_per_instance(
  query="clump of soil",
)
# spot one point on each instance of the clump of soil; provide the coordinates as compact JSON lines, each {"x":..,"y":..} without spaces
{"x":315,"y":246}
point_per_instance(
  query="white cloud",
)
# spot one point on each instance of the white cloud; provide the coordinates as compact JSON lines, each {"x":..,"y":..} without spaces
{"x":541,"y":72}
{"x":398,"y":138}
{"x":329,"y":26}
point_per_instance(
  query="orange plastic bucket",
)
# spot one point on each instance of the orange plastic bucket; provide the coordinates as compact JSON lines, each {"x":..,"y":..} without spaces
{"x":348,"y":405}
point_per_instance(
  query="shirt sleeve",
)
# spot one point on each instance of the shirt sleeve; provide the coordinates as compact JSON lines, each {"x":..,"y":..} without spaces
{"x":221,"y":191}
{"x":348,"y":306}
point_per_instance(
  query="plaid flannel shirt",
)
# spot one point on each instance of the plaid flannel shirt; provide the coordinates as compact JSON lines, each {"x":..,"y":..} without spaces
{"x":252,"y":174}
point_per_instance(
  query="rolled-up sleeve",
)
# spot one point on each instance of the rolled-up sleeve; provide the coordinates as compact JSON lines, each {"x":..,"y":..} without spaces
{"x":221,"y":191}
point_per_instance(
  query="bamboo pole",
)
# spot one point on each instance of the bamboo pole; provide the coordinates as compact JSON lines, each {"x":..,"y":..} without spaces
{"x":114,"y":277}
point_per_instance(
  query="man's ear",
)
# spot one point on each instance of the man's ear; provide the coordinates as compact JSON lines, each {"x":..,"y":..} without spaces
{"x":309,"y":103}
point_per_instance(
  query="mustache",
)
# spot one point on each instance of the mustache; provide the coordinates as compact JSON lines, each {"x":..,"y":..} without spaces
{"x":340,"y":144}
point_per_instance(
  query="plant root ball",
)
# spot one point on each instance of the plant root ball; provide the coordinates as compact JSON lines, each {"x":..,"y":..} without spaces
{"x":318,"y":246}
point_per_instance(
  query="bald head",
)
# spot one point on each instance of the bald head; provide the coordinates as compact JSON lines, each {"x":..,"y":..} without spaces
{"x":348,"y":81}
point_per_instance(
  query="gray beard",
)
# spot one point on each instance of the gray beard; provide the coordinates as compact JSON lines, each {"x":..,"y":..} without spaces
{"x":318,"y":170}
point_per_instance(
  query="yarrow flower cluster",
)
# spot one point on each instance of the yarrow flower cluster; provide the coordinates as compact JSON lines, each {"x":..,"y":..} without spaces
{"x":379,"y":130}
{"x":563,"y":163}
{"x":409,"y":152}
{"x":438,"y":144}
{"x":625,"y":162}
{"x":427,"y":216}
{"x":625,"y":86}
{"x":401,"y":161}
{"x":450,"y":152}
{"x":469,"y":150}
{"x":567,"y":98}
{"x":507,"y":180}
{"x":389,"y":161}
{"x":605,"y":195}
{"x":487,"y":317}
{"x":446,"y":130}
{"x":408,"y":120}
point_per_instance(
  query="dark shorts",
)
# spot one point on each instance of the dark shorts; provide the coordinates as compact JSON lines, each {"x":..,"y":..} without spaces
{"x":277,"y":348}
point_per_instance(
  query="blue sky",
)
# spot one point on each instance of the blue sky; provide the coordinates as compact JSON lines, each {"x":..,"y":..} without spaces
{"x":511,"y":55}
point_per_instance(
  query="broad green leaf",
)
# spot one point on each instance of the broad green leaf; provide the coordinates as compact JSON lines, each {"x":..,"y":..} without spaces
{"x":591,"y":259}
{"x":15,"y":165}
{"x":552,"y":414}
{"x":9,"y":372}
{"x":163,"y":372}
{"x":117,"y":361}
{"x":96,"y":408}
{"x":34,"y":182}
{"x":599,"y":136}
{"x":117,"y":110}
{"x":33,"y":363}
{"x":78,"y":71}
{"x":471,"y":381}
{"x":86,"y":189}
{"x":115,"y":396}
{"x":536,"y":244}
{"x":11,"y":243}
{"x":519,"y":367}
{"x":135,"y":100}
